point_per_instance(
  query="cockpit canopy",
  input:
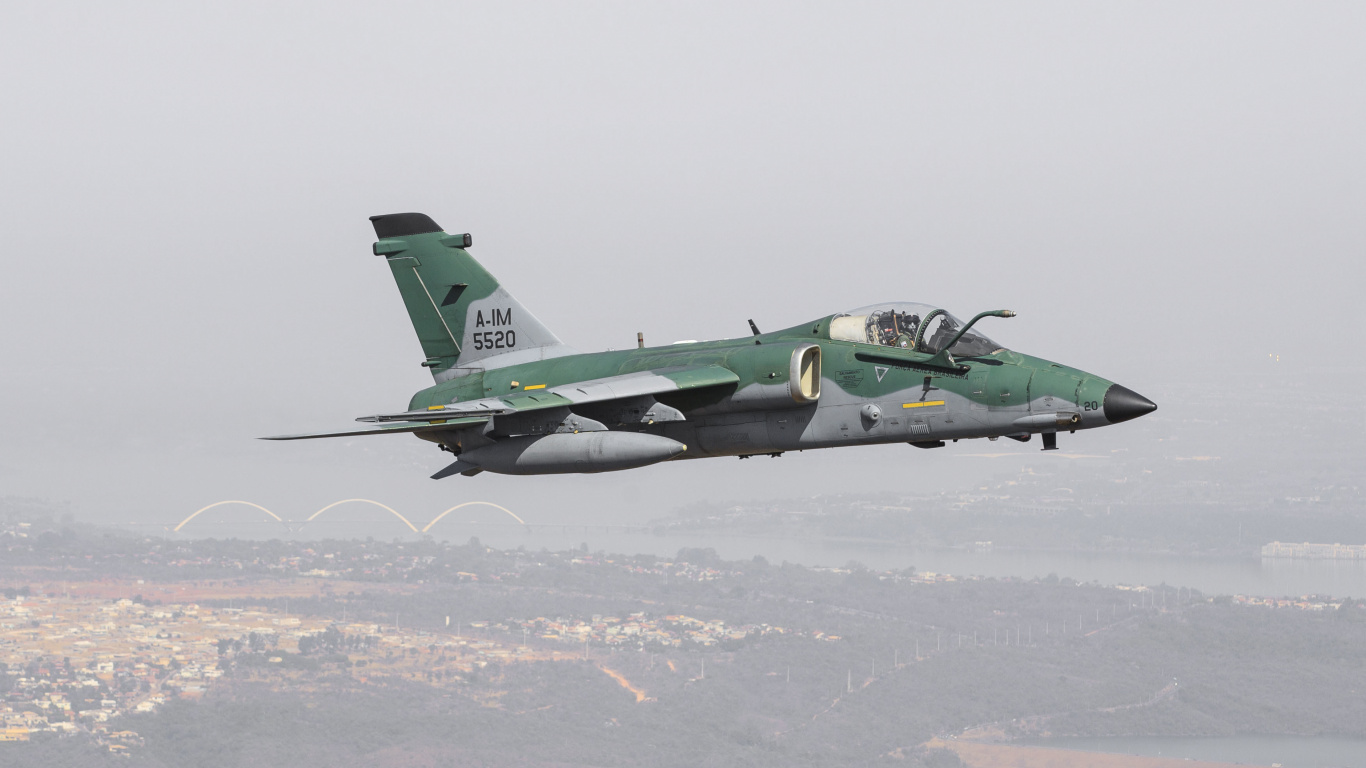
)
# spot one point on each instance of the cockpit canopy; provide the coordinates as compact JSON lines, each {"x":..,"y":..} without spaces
{"x":903,"y":324}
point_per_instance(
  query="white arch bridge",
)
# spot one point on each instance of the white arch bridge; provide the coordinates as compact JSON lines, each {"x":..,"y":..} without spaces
{"x":296,"y":526}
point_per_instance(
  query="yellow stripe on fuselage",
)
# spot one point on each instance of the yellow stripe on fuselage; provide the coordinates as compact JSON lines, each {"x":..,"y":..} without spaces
{"x":922,"y":405}
{"x":534,"y":386}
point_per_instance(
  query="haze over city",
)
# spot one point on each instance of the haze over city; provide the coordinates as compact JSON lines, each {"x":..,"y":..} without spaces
{"x":1167,"y":195}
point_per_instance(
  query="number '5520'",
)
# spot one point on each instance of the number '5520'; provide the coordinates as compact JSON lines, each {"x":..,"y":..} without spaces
{"x":495,"y":340}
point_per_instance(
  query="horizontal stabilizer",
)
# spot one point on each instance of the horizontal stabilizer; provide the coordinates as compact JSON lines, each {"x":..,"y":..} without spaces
{"x":458,"y":467}
{"x":459,"y":423}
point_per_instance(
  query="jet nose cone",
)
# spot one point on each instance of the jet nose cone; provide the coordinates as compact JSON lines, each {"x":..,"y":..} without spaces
{"x":1122,"y":404}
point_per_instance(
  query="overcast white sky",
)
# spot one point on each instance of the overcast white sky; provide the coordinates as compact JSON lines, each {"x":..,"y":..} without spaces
{"x":1160,"y":190}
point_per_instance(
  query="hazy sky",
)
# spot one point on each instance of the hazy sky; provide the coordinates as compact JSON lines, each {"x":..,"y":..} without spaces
{"x":1161,"y":191}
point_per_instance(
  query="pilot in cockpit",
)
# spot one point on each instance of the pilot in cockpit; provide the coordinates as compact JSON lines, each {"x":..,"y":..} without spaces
{"x":895,"y":329}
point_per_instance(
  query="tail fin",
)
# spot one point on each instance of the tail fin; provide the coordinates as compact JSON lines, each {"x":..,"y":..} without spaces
{"x":463,"y":317}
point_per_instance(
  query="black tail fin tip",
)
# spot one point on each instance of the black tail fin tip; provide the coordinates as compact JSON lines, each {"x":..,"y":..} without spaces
{"x":402,"y":224}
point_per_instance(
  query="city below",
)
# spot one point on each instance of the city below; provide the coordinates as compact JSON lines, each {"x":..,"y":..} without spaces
{"x":112,"y":640}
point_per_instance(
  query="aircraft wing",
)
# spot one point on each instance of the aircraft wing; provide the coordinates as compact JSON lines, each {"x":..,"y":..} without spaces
{"x":424,"y":426}
{"x":656,"y":382}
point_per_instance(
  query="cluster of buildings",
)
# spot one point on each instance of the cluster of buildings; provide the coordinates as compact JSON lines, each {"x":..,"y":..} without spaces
{"x":1299,"y":603}
{"x":642,"y":632}
{"x":1315,"y":551}
{"x":76,"y":663}
{"x":682,"y":571}
{"x":903,"y":576}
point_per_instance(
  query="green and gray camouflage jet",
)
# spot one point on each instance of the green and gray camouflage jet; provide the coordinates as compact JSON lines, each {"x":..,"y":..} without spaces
{"x":511,"y":398}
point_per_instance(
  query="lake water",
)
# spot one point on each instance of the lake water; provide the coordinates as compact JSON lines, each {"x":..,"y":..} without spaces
{"x":1289,"y":751}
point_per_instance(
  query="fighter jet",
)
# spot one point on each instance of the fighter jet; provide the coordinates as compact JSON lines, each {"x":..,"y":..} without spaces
{"x":511,"y":398}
